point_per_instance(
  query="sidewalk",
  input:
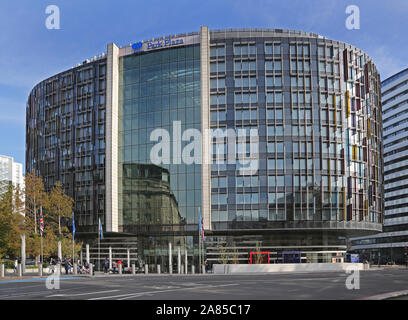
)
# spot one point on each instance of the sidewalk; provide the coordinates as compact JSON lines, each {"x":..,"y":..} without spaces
{"x":388,"y":266}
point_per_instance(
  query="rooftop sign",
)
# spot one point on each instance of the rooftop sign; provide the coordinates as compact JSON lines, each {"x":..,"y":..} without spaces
{"x":156,"y":44}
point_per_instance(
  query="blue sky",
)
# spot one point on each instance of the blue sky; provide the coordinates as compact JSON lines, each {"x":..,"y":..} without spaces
{"x":30,"y":52}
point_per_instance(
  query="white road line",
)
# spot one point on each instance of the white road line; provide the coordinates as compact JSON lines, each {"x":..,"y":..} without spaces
{"x":80,"y":294}
{"x":386,"y":295}
{"x":136,"y":294}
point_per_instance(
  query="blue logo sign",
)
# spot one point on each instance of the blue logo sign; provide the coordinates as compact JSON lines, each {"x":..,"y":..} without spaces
{"x":137,"y":46}
{"x":164,"y":43}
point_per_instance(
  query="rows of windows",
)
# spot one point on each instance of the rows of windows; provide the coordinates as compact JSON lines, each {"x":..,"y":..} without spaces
{"x":333,"y":158}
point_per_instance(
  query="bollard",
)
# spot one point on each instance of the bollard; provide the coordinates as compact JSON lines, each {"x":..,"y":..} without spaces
{"x":146,"y":269}
{"x":193,"y":269}
{"x":203,"y":269}
{"x":2,"y":271}
{"x":170,"y":259}
{"x":75,"y":268}
{"x":91,"y":269}
{"x":158,"y":269}
{"x":40,"y":269}
{"x":185,"y":261}
{"x":133,"y":269}
{"x":20,"y":270}
{"x":120,"y":268}
{"x":87,"y":254}
{"x":110,"y":258}
{"x":178,"y":260}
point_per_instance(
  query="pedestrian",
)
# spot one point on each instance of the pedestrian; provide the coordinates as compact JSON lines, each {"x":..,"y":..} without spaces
{"x":66,"y":264}
{"x":119,"y":264}
{"x":70,"y":266}
{"x":114,"y":266}
{"x":52,"y":265}
{"x":15,"y":265}
{"x":105,"y":266}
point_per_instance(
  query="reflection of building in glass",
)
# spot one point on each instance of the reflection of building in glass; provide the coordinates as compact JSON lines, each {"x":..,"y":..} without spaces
{"x":315,"y":103}
{"x":390,"y":246}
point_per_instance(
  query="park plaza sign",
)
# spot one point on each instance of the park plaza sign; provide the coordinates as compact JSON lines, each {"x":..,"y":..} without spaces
{"x":156,"y":44}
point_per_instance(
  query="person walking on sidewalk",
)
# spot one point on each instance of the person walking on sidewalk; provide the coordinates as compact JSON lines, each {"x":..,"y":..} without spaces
{"x":105,"y":266}
{"x":52,"y":265}
{"x":119,"y":264}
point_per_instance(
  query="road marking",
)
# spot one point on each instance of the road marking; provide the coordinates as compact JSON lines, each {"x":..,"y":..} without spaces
{"x":383,"y":296}
{"x":160,"y":287}
{"x":136,"y":294}
{"x":80,"y":294}
{"x":37,"y":279}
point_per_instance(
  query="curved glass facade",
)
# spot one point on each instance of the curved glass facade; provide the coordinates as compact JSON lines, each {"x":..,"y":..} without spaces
{"x":315,"y":105}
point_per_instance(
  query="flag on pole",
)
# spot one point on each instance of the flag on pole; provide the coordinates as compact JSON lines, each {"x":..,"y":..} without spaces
{"x":41,"y":222}
{"x":73,"y":227}
{"x":200,"y":224}
{"x":100,"y":229}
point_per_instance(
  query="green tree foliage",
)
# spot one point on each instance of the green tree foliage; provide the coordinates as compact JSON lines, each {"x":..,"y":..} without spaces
{"x":56,"y":208}
{"x":223,"y":257}
{"x":35,"y":197}
{"x":59,"y":209}
{"x":11,"y":222}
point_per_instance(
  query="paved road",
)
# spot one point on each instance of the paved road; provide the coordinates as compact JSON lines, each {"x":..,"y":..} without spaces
{"x":210,"y":287}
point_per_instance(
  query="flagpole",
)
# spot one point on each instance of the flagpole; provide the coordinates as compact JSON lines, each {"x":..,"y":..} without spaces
{"x":73,"y":240}
{"x":199,"y":251}
{"x":199,"y":241}
{"x":41,"y":240}
{"x":42,"y":253}
{"x":99,"y":241}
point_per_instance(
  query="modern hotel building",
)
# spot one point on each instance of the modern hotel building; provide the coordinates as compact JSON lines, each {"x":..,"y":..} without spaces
{"x":392,"y":244}
{"x":313,"y":104}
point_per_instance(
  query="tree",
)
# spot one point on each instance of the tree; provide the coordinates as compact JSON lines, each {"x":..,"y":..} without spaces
{"x":11,"y":223}
{"x":33,"y":245}
{"x":235,"y":256}
{"x":35,"y":197}
{"x":223,"y":258}
{"x":258,"y":256}
{"x":59,"y":206}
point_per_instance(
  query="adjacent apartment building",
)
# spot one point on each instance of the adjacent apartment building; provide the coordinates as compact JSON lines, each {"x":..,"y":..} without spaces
{"x":10,"y":173}
{"x":392,"y":245}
